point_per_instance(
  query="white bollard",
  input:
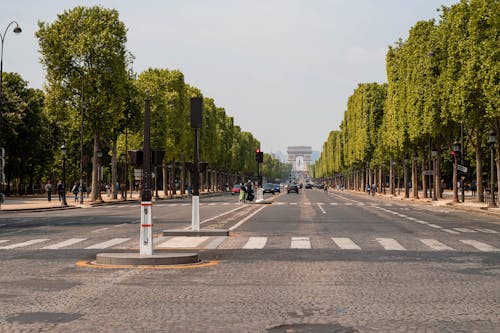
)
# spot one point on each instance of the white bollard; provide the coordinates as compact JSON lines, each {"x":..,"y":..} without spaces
{"x":260,"y":195}
{"x":146,"y":235}
{"x":195,"y":213}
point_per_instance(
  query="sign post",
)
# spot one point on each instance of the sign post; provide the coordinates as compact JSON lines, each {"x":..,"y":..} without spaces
{"x":196,"y":119}
{"x":146,"y":235}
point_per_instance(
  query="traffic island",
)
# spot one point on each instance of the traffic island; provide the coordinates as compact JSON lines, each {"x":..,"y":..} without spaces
{"x":136,"y":259}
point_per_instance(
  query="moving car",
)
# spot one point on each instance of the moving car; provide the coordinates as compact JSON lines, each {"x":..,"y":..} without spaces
{"x":293,"y":188}
{"x":308,"y":185}
{"x":236,"y":189}
{"x":268,"y":188}
{"x":277,"y":188}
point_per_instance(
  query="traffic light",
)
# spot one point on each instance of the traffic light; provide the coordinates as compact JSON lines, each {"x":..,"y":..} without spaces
{"x":259,"y":156}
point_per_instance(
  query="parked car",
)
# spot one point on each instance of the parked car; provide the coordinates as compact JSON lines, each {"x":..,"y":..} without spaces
{"x":236,"y":189}
{"x":308,"y":185}
{"x":293,"y":188}
{"x":277,"y":188}
{"x":268,"y":188}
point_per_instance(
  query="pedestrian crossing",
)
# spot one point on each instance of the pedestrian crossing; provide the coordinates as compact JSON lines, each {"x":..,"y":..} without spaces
{"x":259,"y":242}
{"x":237,"y":203}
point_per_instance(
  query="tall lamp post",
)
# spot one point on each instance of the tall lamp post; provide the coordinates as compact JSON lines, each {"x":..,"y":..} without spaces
{"x":63,"y":152}
{"x":492,"y":139}
{"x":99,"y":175}
{"x":455,"y":147}
{"x":16,"y":30}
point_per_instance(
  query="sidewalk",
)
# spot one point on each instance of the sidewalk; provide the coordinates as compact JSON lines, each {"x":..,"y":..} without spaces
{"x":37,"y":202}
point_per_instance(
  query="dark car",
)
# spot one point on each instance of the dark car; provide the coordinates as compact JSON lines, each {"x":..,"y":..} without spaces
{"x":268,"y":188}
{"x":308,"y":185}
{"x":236,"y":189}
{"x":277,"y":188}
{"x":293,"y":188}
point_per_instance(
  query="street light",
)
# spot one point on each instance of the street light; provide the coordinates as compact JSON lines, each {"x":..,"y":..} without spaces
{"x":63,"y":152}
{"x":455,"y":147}
{"x":492,"y":139}
{"x":16,"y":30}
{"x":405,"y":176}
{"x":99,"y":176}
{"x":124,"y":179}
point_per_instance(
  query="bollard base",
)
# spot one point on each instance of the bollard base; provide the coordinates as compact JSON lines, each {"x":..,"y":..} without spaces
{"x":137,"y":259}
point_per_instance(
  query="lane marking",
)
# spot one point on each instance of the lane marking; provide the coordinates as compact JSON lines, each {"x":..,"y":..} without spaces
{"x":246,"y":218}
{"x":488,"y":231}
{"x":464,"y":230}
{"x":434,"y":226}
{"x":321,"y":208}
{"x":4,"y":240}
{"x":436,"y":245}
{"x":183,"y":242}
{"x":390,"y":244}
{"x":106,"y":244}
{"x":300,"y":243}
{"x":255,"y":243}
{"x":480,"y":246}
{"x":293,"y":203}
{"x":217,"y":216}
{"x":23,"y":244}
{"x":453,"y":232}
{"x":345,"y":243}
{"x":99,"y":230}
{"x":64,"y":243}
{"x":334,"y":203}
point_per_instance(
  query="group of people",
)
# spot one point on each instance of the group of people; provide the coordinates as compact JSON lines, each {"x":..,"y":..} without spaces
{"x":246,"y":192}
{"x":60,"y":189}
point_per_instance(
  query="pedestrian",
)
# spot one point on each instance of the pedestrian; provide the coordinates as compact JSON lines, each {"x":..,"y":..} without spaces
{"x":242,"y":192}
{"x":75,"y":189}
{"x":108,"y":189}
{"x":60,"y":190}
{"x":48,"y":189}
{"x":325,"y":187}
{"x":473,"y":187}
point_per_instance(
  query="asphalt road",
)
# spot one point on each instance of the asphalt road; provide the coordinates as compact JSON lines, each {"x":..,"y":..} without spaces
{"x":313,"y":262}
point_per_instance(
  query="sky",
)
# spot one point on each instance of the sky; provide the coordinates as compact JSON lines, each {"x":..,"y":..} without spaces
{"x":283,"y":69}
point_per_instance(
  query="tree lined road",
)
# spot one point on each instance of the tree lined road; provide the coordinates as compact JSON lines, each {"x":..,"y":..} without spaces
{"x":314,"y":261}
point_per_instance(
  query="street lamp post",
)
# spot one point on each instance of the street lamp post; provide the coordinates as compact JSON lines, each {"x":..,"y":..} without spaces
{"x":124,"y":178}
{"x":99,"y":175}
{"x":492,"y":139}
{"x":63,"y":152}
{"x":16,"y":30}
{"x":433,"y":155}
{"x":456,"y":150}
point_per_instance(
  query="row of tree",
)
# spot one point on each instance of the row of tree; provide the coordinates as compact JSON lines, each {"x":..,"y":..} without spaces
{"x":91,"y":86}
{"x":443,"y":84}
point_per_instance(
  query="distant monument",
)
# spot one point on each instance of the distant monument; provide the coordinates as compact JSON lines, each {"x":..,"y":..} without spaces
{"x":299,"y":157}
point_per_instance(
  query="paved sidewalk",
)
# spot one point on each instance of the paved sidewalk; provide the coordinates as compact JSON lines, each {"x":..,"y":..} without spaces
{"x":37,"y":202}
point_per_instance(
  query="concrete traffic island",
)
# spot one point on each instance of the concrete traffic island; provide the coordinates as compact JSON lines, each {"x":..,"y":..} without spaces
{"x":196,"y":233}
{"x":136,"y":259}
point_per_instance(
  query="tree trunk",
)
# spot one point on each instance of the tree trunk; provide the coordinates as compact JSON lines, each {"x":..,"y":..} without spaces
{"x":424,"y":177}
{"x":183,"y":176}
{"x":96,"y":192}
{"x":414,"y":174}
{"x":479,"y":169}
{"x":114,"y":171}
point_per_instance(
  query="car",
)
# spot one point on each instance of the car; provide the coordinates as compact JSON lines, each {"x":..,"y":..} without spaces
{"x":277,"y":188}
{"x":236,"y":189}
{"x":292,"y":188}
{"x":268,"y":188}
{"x":308,"y":185}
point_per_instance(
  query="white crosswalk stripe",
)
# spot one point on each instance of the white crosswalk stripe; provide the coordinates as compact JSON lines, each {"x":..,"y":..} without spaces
{"x":480,"y":245}
{"x":4,"y":240}
{"x":345,"y":243}
{"x":436,"y":245}
{"x":390,"y":244}
{"x":488,"y":231}
{"x":23,"y":244}
{"x":255,"y":243}
{"x":64,"y":243}
{"x":300,"y":243}
{"x":453,"y":232}
{"x":464,"y":230}
{"x":106,"y":244}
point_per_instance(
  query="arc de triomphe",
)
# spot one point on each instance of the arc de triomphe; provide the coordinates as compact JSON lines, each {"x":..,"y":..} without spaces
{"x":299,"y":157}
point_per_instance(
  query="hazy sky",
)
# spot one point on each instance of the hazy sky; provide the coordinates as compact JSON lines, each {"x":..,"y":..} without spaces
{"x":282,"y":68}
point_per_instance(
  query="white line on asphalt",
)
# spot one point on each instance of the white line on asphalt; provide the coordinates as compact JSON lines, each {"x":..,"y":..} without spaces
{"x":321,"y":208}
{"x":453,"y":232}
{"x":464,"y":230}
{"x":186,"y":204}
{"x":293,"y":203}
{"x":434,"y":226}
{"x":421,"y":222}
{"x":480,"y":246}
{"x":4,"y":240}
{"x":246,"y":218}
{"x":342,"y":197}
{"x":99,"y":230}
{"x":119,"y":225}
{"x":255,"y":243}
{"x":488,"y":231}
{"x":64,"y":243}
{"x":103,"y":245}
{"x":217,"y":216}
{"x":183,"y":242}
{"x":300,"y":243}
{"x":23,"y":244}
{"x":345,"y":243}
{"x":390,"y":244}
{"x":334,"y":203}
{"x":435,"y":245}
{"x":172,"y":205}
{"x":212,"y":204}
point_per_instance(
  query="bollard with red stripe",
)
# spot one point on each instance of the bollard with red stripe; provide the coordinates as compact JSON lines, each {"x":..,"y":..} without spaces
{"x":146,"y":235}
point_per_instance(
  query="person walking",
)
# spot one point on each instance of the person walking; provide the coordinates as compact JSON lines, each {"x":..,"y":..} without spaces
{"x":75,"y":189}
{"x":243,"y":193}
{"x":48,"y":189}
{"x":60,"y":190}
{"x":473,"y":187}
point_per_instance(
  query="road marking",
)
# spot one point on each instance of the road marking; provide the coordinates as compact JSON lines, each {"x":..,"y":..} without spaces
{"x":23,"y":244}
{"x":435,"y":244}
{"x":212,"y":204}
{"x":300,"y":243}
{"x":64,"y":243}
{"x":390,"y":244}
{"x":4,"y":240}
{"x":334,"y":203}
{"x":480,"y":246}
{"x":293,"y":203}
{"x":453,"y":232}
{"x":226,"y":204}
{"x":246,"y":218}
{"x":186,"y":204}
{"x":434,"y":226}
{"x":321,"y":208}
{"x":421,"y":222}
{"x":217,"y":216}
{"x":215,"y":242}
{"x":103,"y":245}
{"x":345,"y":243}
{"x":464,"y":230}
{"x":411,"y":218}
{"x":281,"y":203}
{"x":119,"y":225}
{"x":488,"y":231}
{"x":172,"y":205}
{"x":255,"y":243}
{"x":183,"y":242}
{"x":99,"y":230}
{"x":348,"y":203}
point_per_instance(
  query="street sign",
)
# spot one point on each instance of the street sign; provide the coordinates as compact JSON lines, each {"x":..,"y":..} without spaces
{"x":137,"y":174}
{"x":428,"y":172}
{"x":461,"y":168}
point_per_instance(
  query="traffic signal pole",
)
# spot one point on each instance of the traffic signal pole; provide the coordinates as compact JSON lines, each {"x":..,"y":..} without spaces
{"x":196,"y":120}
